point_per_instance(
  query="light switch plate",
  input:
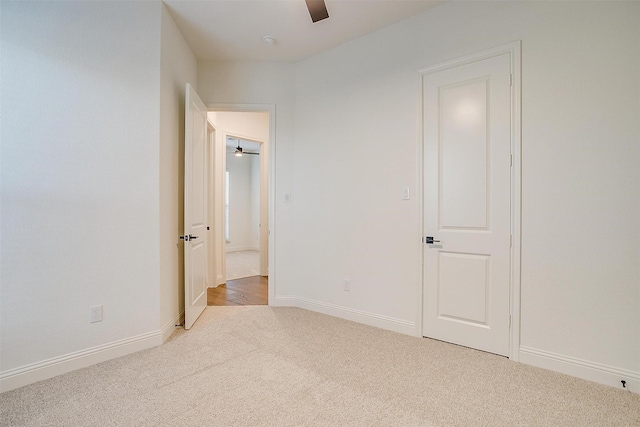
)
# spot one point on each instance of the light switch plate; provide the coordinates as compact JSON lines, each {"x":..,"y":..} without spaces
{"x":406,"y":194}
{"x":95,"y":313}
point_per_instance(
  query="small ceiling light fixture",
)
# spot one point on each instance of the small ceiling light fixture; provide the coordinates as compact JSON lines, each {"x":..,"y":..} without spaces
{"x":269,"y":40}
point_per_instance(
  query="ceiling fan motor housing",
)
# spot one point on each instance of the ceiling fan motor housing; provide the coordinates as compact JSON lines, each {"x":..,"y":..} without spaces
{"x":317,"y":10}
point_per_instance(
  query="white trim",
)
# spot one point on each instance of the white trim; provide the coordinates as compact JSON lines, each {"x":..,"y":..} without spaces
{"x":28,"y":374}
{"x":516,"y":196}
{"x":591,"y":371}
{"x":513,"y":49}
{"x":371,"y":319}
{"x":420,"y":198}
{"x":284,"y":301}
{"x":271,"y":109}
{"x":50,"y":368}
{"x":474,"y":57}
{"x":235,"y":135}
{"x":230,"y":248}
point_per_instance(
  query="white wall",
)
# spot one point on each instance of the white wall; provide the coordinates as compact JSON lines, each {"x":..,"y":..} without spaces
{"x":254,"y":224}
{"x":241,"y":206}
{"x":178,"y":66}
{"x":249,"y":125}
{"x":79,"y":183}
{"x":356,"y":147}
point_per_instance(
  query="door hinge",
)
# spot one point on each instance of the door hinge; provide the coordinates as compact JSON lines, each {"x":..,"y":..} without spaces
{"x":510,"y":160}
{"x":509,"y":320}
{"x":510,"y":79}
{"x":510,"y":240}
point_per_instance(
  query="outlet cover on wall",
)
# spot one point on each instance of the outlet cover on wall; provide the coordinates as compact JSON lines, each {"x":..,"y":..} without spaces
{"x":406,"y":195}
{"x":346,"y":285}
{"x":95,"y":313}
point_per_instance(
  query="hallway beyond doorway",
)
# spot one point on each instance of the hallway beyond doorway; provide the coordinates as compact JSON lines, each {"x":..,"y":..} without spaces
{"x":243,"y":264}
{"x":246,"y":291}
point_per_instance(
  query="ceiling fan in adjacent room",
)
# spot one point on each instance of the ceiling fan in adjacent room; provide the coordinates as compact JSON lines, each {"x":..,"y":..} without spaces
{"x":239,"y":151}
{"x":317,"y":10}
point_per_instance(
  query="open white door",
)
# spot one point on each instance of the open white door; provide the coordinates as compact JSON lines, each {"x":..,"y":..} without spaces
{"x":467,"y":204}
{"x":196,"y":206}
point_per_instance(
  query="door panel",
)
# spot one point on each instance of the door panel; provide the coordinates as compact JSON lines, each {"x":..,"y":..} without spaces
{"x":463,"y":146}
{"x":463,"y":287}
{"x":196,"y":204}
{"x":467,"y":149}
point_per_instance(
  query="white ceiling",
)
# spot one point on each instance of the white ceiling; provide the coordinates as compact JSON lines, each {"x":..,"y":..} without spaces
{"x":232,"y":30}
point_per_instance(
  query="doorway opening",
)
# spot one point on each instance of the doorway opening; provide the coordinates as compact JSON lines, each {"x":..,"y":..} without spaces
{"x":241,"y":208}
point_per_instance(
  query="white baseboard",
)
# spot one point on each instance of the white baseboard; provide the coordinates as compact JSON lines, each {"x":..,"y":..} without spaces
{"x":580,"y":368}
{"x":28,"y":374}
{"x":283,"y":301}
{"x":364,"y":317}
{"x":241,"y":248}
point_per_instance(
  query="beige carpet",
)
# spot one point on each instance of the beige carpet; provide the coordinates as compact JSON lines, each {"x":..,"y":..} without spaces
{"x":265,"y":366}
{"x":243,"y":264}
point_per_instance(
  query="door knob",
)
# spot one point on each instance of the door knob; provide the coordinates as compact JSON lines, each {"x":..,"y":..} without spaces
{"x":429,"y":240}
{"x":188,"y":237}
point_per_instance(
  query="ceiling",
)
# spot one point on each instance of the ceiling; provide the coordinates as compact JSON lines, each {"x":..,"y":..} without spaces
{"x":232,"y":30}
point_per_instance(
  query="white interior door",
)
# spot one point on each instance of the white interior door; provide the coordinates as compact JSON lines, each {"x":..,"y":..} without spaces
{"x":467,"y":203}
{"x":196,"y":205}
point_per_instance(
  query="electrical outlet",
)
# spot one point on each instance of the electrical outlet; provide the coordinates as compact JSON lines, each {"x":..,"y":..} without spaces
{"x":287,"y":197}
{"x":95,"y":313}
{"x":346,"y":285}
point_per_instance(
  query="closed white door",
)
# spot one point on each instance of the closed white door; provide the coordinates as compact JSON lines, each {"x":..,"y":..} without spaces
{"x":196,"y":205}
{"x":467,"y":202}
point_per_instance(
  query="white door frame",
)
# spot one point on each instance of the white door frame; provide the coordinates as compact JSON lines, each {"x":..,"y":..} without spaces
{"x":211,"y":143}
{"x":513,"y":49}
{"x":271,"y":231}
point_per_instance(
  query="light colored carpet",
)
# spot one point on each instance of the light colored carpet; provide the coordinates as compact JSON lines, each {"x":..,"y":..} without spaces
{"x":243,"y":264}
{"x":266,"y":366}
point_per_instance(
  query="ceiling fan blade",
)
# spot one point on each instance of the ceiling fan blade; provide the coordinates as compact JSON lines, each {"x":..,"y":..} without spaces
{"x":255,"y":154}
{"x":317,"y":10}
